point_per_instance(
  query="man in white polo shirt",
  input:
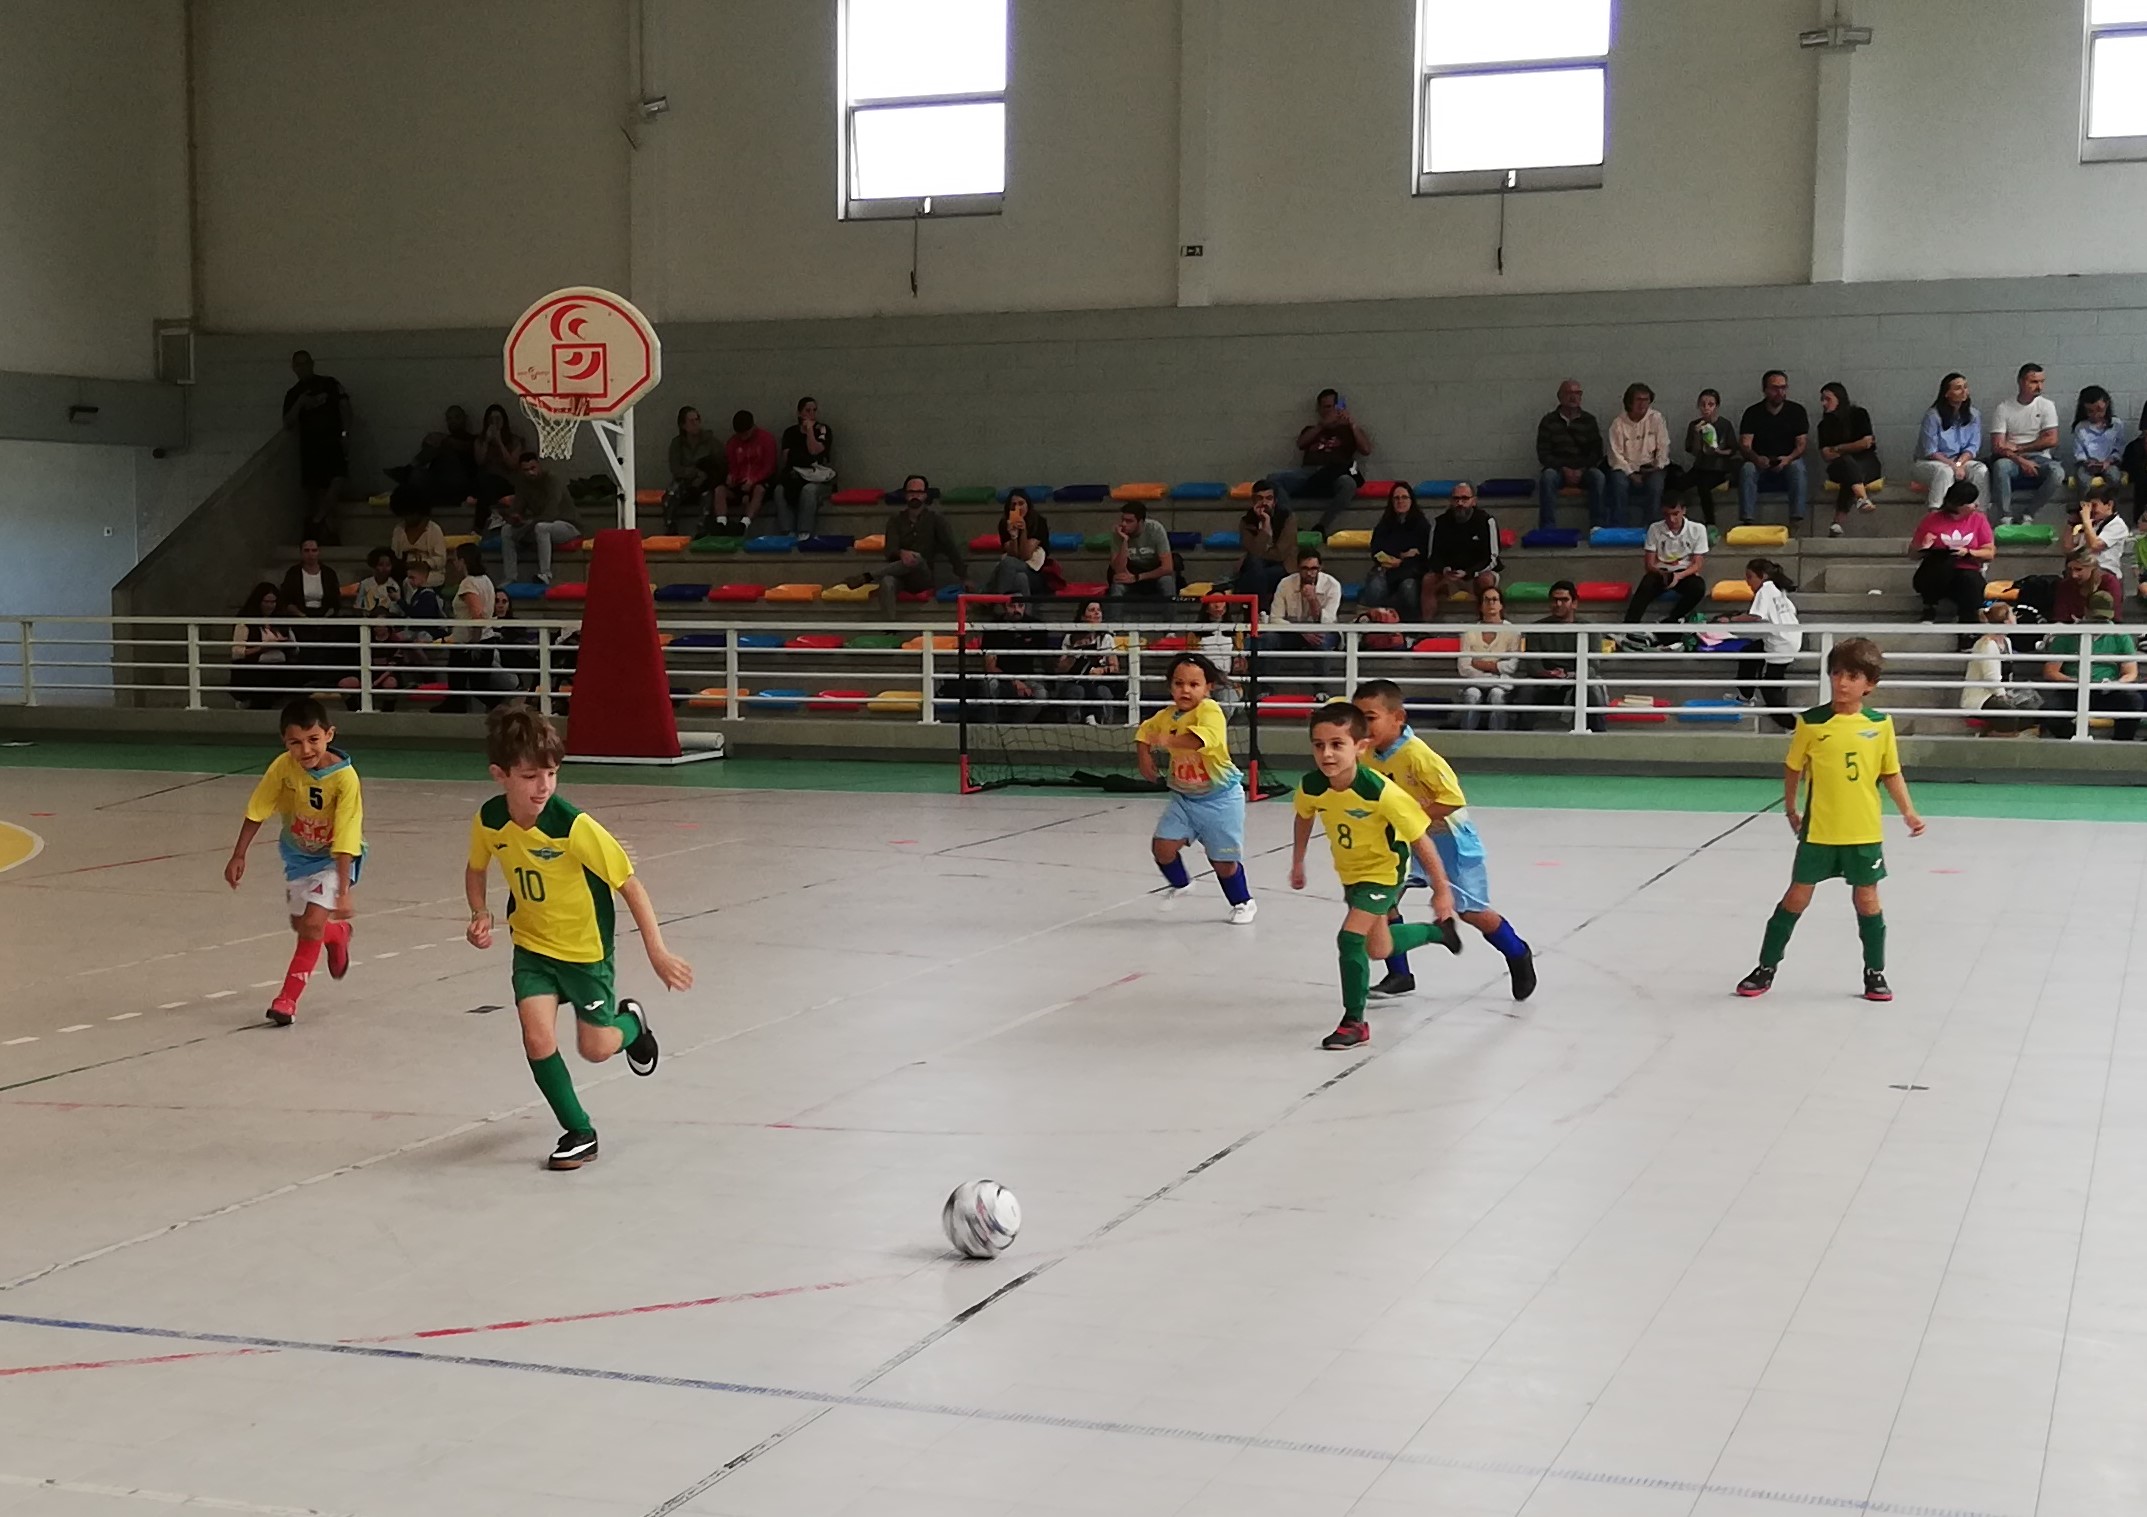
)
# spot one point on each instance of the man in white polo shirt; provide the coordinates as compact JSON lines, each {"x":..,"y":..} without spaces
{"x":1676,"y":555}
{"x":2023,"y":446}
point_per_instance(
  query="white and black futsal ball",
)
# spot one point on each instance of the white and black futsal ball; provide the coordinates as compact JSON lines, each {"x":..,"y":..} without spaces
{"x":981,"y":1218}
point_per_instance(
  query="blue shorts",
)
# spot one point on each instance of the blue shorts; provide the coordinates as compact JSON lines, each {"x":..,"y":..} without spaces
{"x":1461,"y":854}
{"x":1215,"y":821}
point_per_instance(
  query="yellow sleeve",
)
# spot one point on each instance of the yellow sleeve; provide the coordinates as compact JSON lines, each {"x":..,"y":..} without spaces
{"x":597,"y":851}
{"x":267,"y":798}
{"x":1206,"y":723}
{"x":1800,"y":746}
{"x":1889,"y":754}
{"x":1155,"y":729}
{"x":1432,"y":775}
{"x":349,"y":834}
{"x":480,"y":855}
{"x":1403,"y":814}
{"x":1302,"y":804}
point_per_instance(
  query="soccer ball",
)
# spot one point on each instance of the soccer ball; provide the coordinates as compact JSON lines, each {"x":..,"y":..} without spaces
{"x":981,"y":1218}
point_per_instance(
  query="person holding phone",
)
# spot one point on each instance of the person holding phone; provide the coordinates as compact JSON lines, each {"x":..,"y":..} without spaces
{"x":1329,"y":448}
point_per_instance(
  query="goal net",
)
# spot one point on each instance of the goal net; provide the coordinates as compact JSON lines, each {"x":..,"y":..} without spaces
{"x":1045,"y":697}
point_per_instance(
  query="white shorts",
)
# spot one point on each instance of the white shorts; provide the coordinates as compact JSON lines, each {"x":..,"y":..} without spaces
{"x":319,"y":888}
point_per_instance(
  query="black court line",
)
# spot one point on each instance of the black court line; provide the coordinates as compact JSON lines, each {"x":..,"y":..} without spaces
{"x":200,"y":779}
{"x":139,"y":1053}
{"x":776,"y":1439}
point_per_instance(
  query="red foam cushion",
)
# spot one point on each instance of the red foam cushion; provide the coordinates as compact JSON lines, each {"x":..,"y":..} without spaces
{"x":1508,"y":538}
{"x":1084,"y":591}
{"x":842,"y":700}
{"x":1603,"y":590}
{"x":857,"y":497}
{"x":573,"y":591}
{"x":738,"y":592}
{"x":1656,"y":713}
{"x":816,"y":640}
{"x":1438,"y":645}
{"x":1374,"y":489}
{"x":1170,"y":644}
{"x":915,"y":597}
{"x":985,"y":542}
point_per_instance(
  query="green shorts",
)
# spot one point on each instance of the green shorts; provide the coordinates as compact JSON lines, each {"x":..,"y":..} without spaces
{"x":588,"y":988}
{"x":1380,"y":900}
{"x":1857,"y":863}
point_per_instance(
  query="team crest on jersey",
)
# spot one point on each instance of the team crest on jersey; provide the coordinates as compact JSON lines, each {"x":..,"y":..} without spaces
{"x":1868,"y":732}
{"x":1353,"y":812}
{"x":547,"y":854}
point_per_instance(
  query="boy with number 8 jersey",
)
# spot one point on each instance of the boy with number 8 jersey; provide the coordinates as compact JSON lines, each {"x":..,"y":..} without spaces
{"x":561,"y":868}
{"x":1846,"y":751}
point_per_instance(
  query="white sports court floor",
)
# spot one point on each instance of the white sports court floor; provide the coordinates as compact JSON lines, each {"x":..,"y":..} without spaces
{"x":1636,"y":1248}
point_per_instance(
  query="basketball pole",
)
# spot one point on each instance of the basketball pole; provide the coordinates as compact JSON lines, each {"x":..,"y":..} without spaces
{"x":616,"y":440}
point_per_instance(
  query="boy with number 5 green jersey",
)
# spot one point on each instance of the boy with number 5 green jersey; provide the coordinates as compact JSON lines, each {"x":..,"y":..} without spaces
{"x":1840,"y":756}
{"x":561,"y":868}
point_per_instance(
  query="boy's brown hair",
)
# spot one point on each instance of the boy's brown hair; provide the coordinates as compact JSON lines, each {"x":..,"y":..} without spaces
{"x":304,"y":713}
{"x":1342,"y":714}
{"x":1384,"y":691}
{"x":1857,"y":655}
{"x":519,"y":734}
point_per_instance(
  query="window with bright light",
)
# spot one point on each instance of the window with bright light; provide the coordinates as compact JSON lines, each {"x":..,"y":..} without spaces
{"x":2113,"y":116}
{"x":1511,"y":96}
{"x":924,"y":106}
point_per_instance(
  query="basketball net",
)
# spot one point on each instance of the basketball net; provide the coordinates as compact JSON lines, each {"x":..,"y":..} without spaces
{"x":556,"y":429}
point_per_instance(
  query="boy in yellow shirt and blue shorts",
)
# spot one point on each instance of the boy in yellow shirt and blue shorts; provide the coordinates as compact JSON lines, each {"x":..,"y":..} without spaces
{"x":1839,"y":757}
{"x":1207,"y":792}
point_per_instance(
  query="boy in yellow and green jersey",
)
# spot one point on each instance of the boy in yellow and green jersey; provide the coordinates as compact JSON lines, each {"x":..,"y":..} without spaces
{"x":1841,"y":755}
{"x":1373,"y":827}
{"x":561,"y":867}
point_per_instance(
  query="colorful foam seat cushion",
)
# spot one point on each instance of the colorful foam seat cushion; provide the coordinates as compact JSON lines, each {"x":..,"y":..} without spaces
{"x":774,"y":542}
{"x":1229,"y":540}
{"x":1242,"y":490}
{"x":777,"y":700}
{"x":896,"y":701}
{"x":666,"y":543}
{"x":874,"y":640}
{"x":1085,"y":590}
{"x":1550,"y":537}
{"x":737,"y":592}
{"x":1034,"y":494}
{"x":1714,"y":710}
{"x":857,"y":496}
{"x":1504,"y":489}
{"x":1731,"y":592}
{"x":527,"y":589}
{"x":1353,"y":538}
{"x":716,"y":544}
{"x":1081,"y":494}
{"x":1375,"y":489}
{"x":1602,"y":590}
{"x":969,"y":495}
{"x":1753,"y":535}
{"x":2025,"y":532}
{"x":793,"y":594}
{"x":872,"y":542}
{"x":846,"y":594}
{"x":842,"y":700}
{"x":1142,"y":490}
{"x":711,"y":700}
{"x":1199,"y":489}
{"x":1065,"y":542}
{"x":1310,"y":538}
{"x":827,"y":542}
{"x":1437,"y":645}
{"x":682,"y":592}
{"x":815,"y":640}
{"x":1528,"y":590}
{"x":1183,"y":541}
{"x":1617,"y":537}
{"x":648,"y":497}
{"x":572,"y":590}
{"x":985,"y":542}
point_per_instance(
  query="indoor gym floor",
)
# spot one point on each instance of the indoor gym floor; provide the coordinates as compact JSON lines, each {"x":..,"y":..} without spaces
{"x":1636,"y":1248}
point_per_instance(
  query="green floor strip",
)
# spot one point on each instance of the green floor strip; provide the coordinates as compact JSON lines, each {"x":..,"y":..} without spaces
{"x":1576,"y":792}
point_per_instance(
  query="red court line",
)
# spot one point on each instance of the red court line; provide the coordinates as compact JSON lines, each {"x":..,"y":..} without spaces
{"x":488,"y":1327}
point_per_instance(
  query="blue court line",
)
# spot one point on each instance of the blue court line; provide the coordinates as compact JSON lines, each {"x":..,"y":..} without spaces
{"x":831,"y":1399}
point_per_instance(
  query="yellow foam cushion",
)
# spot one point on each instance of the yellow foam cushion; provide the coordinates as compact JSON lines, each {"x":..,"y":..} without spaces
{"x":792,"y":593}
{"x":1196,"y":590}
{"x":460,"y":540}
{"x":712,"y":700}
{"x":1242,"y":490}
{"x":664,"y":544}
{"x":377,"y":500}
{"x":847,"y":594}
{"x":2001,"y":589}
{"x":1731,"y":592}
{"x":896,"y":701}
{"x":876,"y":543}
{"x":1757,"y":537}
{"x":1354,"y":538}
{"x":1142,"y":491}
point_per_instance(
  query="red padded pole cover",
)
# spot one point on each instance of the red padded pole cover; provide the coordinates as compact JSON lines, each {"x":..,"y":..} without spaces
{"x":622,"y":701}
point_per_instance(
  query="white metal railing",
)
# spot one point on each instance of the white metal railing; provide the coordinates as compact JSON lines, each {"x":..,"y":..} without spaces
{"x":1024,"y":672}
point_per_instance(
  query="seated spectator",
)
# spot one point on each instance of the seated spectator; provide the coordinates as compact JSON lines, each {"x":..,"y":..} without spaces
{"x":2096,"y":526}
{"x":1714,"y":453}
{"x":1328,"y":448}
{"x":459,"y":439}
{"x":2084,"y":577}
{"x":696,"y":466}
{"x":1308,"y":598}
{"x":1772,"y":438}
{"x":1490,"y":655}
{"x":1092,"y":676}
{"x":499,"y":451}
{"x":536,"y":513}
{"x":260,"y":651}
{"x":417,"y":538}
{"x":1985,"y":690}
{"x":1949,"y":446}
{"x":1142,"y":567}
{"x":1025,"y":566}
{"x":808,"y":471}
{"x":1763,"y":679}
{"x":1464,"y":551}
{"x":442,"y":476}
{"x":380,"y":593}
{"x":1401,"y":554}
{"x":471,"y":660}
{"x":1639,"y":456}
{"x":2098,"y":442}
{"x":749,"y":471}
{"x":916,"y":536}
{"x":2023,"y":447}
{"x":1014,"y":663}
{"x":2134,"y":459}
{"x":423,"y":609}
{"x":1952,"y":543}
{"x":1223,"y":646}
{"x":2113,"y":671}
{"x":1268,"y":537}
{"x":517,"y":644}
{"x":311,"y":587}
{"x":1850,"y":451}
{"x":1556,"y":656}
{"x":1569,"y":451}
{"x":1675,"y":555}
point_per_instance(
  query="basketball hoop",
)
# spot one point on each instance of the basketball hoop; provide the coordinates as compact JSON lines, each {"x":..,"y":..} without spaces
{"x":556,"y":428}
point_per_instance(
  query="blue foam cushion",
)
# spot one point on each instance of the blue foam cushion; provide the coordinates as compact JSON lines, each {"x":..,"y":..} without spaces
{"x":777,"y":700}
{"x":773,"y":543}
{"x":1200,"y":489}
{"x":1183,"y":540}
{"x":1223,"y":540}
{"x":827,"y":543}
{"x":1037,"y":494}
{"x":1506,"y":489}
{"x":1351,"y":592}
{"x":1618,"y":537}
{"x":699,"y":640}
{"x":683,"y":592}
{"x":1081,"y":494}
{"x":1066,"y":542}
{"x":1711,"y":711}
{"x":531,"y":590}
{"x":489,"y":543}
{"x":952,"y":593}
{"x":757,"y":640}
{"x":1434,"y":487}
{"x":1550,"y":537}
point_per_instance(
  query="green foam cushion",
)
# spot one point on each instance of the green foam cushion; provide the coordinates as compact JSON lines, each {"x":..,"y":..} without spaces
{"x":2026,"y":532}
{"x":969,"y":495}
{"x":1098,"y":542}
{"x":1527,"y":590}
{"x":875,"y":640}
{"x":716,"y":545}
{"x":1310,"y":539}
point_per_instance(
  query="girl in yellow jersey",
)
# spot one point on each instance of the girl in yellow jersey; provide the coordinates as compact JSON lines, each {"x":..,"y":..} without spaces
{"x":1207,"y":793}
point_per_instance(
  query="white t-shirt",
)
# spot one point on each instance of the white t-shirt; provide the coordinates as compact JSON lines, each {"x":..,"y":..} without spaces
{"x":2021,"y":424}
{"x":311,"y":590}
{"x":1769,"y":604}
{"x":1675,"y":550}
{"x":2116,"y":536}
{"x":1986,"y":670}
{"x":466,"y":628}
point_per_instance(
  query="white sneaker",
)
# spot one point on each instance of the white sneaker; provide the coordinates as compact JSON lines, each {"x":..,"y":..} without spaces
{"x":1243,"y":912}
{"x":1171,"y":894}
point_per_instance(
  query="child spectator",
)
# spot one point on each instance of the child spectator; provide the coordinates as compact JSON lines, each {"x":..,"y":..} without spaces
{"x":1764,"y":680}
{"x":749,"y":469}
{"x":417,"y":538}
{"x":2096,"y":527}
{"x":380,"y":594}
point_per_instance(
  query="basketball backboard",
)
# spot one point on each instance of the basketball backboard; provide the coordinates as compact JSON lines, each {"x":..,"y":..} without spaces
{"x":584,"y":352}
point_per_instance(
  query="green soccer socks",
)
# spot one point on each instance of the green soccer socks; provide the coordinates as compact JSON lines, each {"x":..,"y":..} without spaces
{"x":629,"y":1027}
{"x":558,"y":1087}
{"x":1408,"y":935}
{"x":1356,"y":973}
{"x":1872,"y":930}
{"x":1776,"y":942}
